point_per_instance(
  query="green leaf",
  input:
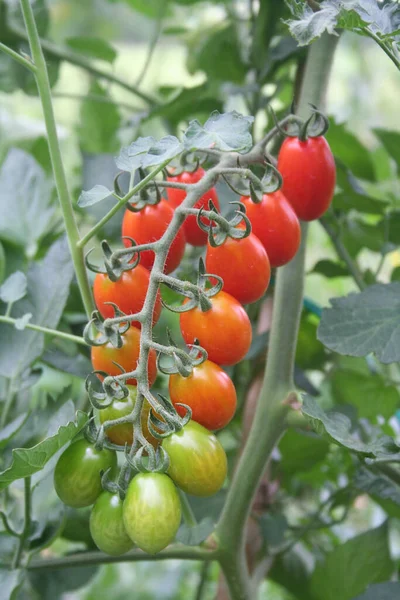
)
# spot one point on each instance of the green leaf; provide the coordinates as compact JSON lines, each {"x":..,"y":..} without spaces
{"x":27,"y":461}
{"x":48,"y":287}
{"x":14,"y":287}
{"x":381,"y":489}
{"x":365,"y":322}
{"x":357,"y":234}
{"x":290,"y":570}
{"x":330,"y":269}
{"x":26,"y":200}
{"x":148,"y":152}
{"x":369,"y":394}
{"x":149,"y":8}
{"x":187,"y":103}
{"x":259,"y":344}
{"x":352,"y":566}
{"x":93,"y":47}
{"x":192,"y":536}
{"x":336,"y":427}
{"x":227,"y":132}
{"x":221,"y":42}
{"x":395,"y":274}
{"x":310,"y":25}
{"x":93,"y":196}
{"x":351,"y":152}
{"x":99,"y":123}
{"x":53,"y":584}
{"x":273,"y":528}
{"x":381,"y":591}
{"x":300,"y":451}
{"x":8,"y":432}
{"x":310,"y":353}
{"x":10,"y":582}
{"x":391,"y":142}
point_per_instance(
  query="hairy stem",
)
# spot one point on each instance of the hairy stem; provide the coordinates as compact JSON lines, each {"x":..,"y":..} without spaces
{"x":18,"y":58}
{"x":43,"y":85}
{"x":53,"y":332}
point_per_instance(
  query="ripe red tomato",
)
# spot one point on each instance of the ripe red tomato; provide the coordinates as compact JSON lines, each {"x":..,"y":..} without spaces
{"x":276,"y":225}
{"x":309,"y":175}
{"x":198,"y":462}
{"x":152,"y":511}
{"x":123,"y":434}
{"x":194,"y":235}
{"x":224,"y":331}
{"x":208,"y":391}
{"x":149,"y":225}
{"x":128,"y":293}
{"x":104,"y":357}
{"x":107,"y":526}
{"x":77,"y":479}
{"x":243,"y":265}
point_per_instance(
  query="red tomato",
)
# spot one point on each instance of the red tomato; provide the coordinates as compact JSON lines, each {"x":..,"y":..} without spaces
{"x":224,"y":331}
{"x":103,"y":357}
{"x":243,"y":265}
{"x":194,"y":235}
{"x":128,"y":293}
{"x":149,"y":225}
{"x":208,"y":391}
{"x":276,"y":225}
{"x":309,"y":176}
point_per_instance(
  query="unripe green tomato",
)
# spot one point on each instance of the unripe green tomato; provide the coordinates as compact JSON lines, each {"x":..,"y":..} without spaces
{"x":152,"y":511}
{"x":107,"y":525}
{"x":77,"y":478}
{"x":198,"y":462}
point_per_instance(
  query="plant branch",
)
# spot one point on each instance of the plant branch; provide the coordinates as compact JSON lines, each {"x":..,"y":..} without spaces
{"x":18,"y":57}
{"x":188,"y":514}
{"x":53,"y":332}
{"x":27,"y":523}
{"x":43,"y":85}
{"x":153,"y":43}
{"x":382,"y":45}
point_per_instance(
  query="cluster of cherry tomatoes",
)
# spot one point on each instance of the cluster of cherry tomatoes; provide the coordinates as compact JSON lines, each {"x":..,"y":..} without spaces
{"x":150,"y":513}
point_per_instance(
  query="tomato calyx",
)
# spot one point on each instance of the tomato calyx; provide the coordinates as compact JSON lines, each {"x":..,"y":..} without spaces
{"x":170,"y":420}
{"x":103,"y":393}
{"x":156,"y":462}
{"x":188,"y":163}
{"x":315,"y":126}
{"x":148,"y":196}
{"x":224,"y":228}
{"x":98,"y":332}
{"x":182,"y":361}
{"x":256,"y":188}
{"x":114,"y":264}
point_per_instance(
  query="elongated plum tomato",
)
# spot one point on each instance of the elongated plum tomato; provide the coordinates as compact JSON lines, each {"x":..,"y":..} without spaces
{"x":77,"y":479}
{"x":104,"y":357}
{"x":276,"y":225}
{"x":243,"y":265}
{"x":309,"y":176}
{"x":128,"y":293}
{"x":208,"y":391}
{"x":152,"y":511}
{"x":149,"y":225}
{"x":224,"y":331}
{"x":198,"y":462}
{"x":194,"y":235}
{"x":107,"y":526}
{"x":123,"y":434}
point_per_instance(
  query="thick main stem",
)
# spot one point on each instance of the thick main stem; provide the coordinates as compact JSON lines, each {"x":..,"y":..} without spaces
{"x":269,"y":419}
{"x":43,"y":85}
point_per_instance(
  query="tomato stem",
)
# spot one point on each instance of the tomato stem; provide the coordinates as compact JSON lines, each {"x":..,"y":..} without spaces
{"x":53,"y":332}
{"x":187,"y":512}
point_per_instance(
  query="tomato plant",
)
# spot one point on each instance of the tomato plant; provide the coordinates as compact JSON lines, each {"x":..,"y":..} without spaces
{"x":152,"y":511}
{"x":309,"y":175}
{"x":224,"y":330}
{"x":128,"y":293}
{"x":198,"y":462}
{"x":194,"y":235}
{"x":276,"y":225}
{"x":208,"y":391}
{"x":244,"y":266}
{"x":107,"y":525}
{"x":107,"y":357}
{"x":149,"y":225}
{"x":77,"y":479}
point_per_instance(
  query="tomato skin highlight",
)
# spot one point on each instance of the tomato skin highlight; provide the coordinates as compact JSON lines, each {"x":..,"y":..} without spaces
{"x":243,"y":265}
{"x":123,"y":434}
{"x":152,"y":511}
{"x":107,"y":526}
{"x":103,"y":357}
{"x":208,"y":391}
{"x":128,"y":293}
{"x":276,"y":225}
{"x":224,"y":331}
{"x":149,"y":225}
{"x":194,"y":235}
{"x":77,"y":479}
{"x":309,"y":176}
{"x":198,"y":462}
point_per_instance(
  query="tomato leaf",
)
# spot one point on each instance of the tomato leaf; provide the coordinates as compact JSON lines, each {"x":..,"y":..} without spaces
{"x":363,"y":323}
{"x":350,"y":567}
{"x":391,"y":142}
{"x":330,"y":269}
{"x":10,"y":582}
{"x":93,"y":196}
{"x":227,"y":132}
{"x":148,"y":152}
{"x":192,"y":536}
{"x":8,"y":432}
{"x":301,"y":451}
{"x":14,"y":287}
{"x":390,"y":590}
{"x":99,"y":122}
{"x":381,"y":489}
{"x":27,"y":461}
{"x":336,"y":427}
{"x":93,"y":47}
{"x":352,"y":153}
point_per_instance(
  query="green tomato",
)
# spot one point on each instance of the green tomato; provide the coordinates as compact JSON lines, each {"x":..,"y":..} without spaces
{"x":152,"y":511}
{"x":77,"y":478}
{"x":107,"y":525}
{"x":198,"y":462}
